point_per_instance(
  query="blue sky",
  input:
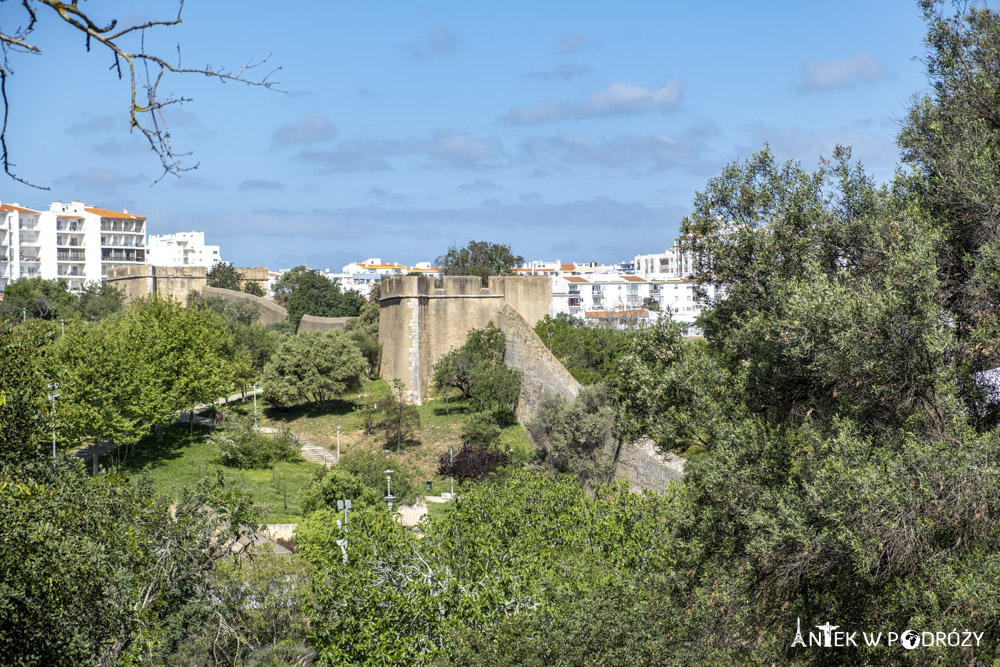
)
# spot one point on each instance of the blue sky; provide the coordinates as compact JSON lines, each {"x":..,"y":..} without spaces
{"x":577,"y":131}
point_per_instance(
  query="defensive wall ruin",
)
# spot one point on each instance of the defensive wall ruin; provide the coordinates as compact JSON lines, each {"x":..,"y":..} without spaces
{"x":421,"y":320}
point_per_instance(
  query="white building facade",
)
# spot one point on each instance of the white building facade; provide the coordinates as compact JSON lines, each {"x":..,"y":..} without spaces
{"x":182,"y":249}
{"x":73,"y":241}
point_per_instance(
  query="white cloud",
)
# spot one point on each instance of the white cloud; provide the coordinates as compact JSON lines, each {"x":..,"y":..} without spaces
{"x":617,"y":99}
{"x":312,"y":128}
{"x":820,"y":74}
{"x":563,"y":72}
{"x":260,"y":184}
{"x":439,"y":41}
{"x":574,"y":41}
{"x":453,"y":149}
{"x":100,"y":179}
{"x":651,"y":151}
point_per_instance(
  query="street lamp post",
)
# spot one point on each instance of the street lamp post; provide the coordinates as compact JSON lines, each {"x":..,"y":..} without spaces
{"x":53,"y":396}
{"x":345,"y":507}
{"x":388,"y":486}
{"x":338,"y":445}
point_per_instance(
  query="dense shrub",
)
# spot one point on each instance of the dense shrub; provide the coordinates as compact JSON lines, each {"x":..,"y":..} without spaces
{"x":240,"y":445}
{"x":472,"y":462}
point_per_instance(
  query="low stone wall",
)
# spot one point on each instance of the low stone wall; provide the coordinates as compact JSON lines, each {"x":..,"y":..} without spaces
{"x":316,"y":323}
{"x":270,"y":312}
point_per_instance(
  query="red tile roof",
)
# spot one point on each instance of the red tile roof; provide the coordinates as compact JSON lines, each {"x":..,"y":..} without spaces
{"x":105,"y":213}
{"x":10,"y":207}
{"x":574,"y":279}
{"x":567,"y":267}
{"x":633,"y":279}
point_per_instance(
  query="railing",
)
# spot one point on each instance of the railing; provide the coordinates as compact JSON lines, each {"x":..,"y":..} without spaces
{"x":69,"y":226}
{"x":71,"y":255}
{"x":29,"y":258}
{"x":24,"y":224}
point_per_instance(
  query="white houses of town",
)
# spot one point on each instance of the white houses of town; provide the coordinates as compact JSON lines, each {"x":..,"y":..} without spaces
{"x":73,"y":241}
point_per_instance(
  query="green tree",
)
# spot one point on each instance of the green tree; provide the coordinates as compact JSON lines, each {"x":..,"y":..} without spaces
{"x":399,"y":419}
{"x":950,"y":139}
{"x":364,"y":331}
{"x":225,"y":276}
{"x":316,"y":367}
{"x":254,"y":288}
{"x":38,"y":297}
{"x":477,"y":370}
{"x":505,"y":549}
{"x":98,"y":570}
{"x":479,"y":258}
{"x":98,"y":300}
{"x":576,"y":437}
{"x":22,"y":396}
{"x":588,"y":353}
{"x":308,"y":292}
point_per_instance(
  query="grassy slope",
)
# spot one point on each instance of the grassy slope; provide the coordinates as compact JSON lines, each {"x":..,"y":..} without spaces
{"x":181,"y":458}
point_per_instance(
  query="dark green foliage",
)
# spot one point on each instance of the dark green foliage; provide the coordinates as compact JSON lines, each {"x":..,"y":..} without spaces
{"x":99,"y":300}
{"x":254,"y":288}
{"x":361,"y":478}
{"x":315,"y":367}
{"x":364,"y":331}
{"x":575,"y":437}
{"x":508,"y":547}
{"x":240,"y":445}
{"x":951,"y":139}
{"x":479,"y":258}
{"x":472,"y":462}
{"x":478,"y":371}
{"x":307,"y":292}
{"x":588,"y":353}
{"x":225,"y":276}
{"x":23,"y":419}
{"x":99,"y":570}
{"x":396,"y":418}
{"x":257,"y":617}
{"x":651,"y":304}
{"x":480,"y":429}
{"x":37,"y":297}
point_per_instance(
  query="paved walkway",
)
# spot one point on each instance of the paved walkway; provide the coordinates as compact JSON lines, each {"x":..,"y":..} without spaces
{"x":411,"y":515}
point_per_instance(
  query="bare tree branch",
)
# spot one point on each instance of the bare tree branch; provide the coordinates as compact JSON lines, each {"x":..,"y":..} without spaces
{"x":146,"y":106}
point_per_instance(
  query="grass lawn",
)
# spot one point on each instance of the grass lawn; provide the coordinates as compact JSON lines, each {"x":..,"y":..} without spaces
{"x":440,"y":427}
{"x":183,"y":458}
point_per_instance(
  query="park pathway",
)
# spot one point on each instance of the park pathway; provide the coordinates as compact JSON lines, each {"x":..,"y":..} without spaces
{"x":87,"y":452}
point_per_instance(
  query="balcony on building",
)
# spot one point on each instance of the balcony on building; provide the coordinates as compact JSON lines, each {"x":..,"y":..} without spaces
{"x":71,"y":255}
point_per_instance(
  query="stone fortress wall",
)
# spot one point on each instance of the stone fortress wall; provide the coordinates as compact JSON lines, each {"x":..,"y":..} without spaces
{"x":421,"y":320}
{"x":177,"y":282}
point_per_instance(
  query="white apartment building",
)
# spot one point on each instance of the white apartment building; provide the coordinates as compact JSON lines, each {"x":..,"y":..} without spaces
{"x":360,"y":276}
{"x":615,"y":296}
{"x":182,"y":249}
{"x":73,"y":241}
{"x":671,"y":264}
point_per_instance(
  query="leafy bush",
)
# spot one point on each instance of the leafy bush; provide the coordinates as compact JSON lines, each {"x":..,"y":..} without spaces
{"x":572,"y":436}
{"x":369,"y":469}
{"x":239,"y":445}
{"x":472,"y":462}
{"x":479,"y":430}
